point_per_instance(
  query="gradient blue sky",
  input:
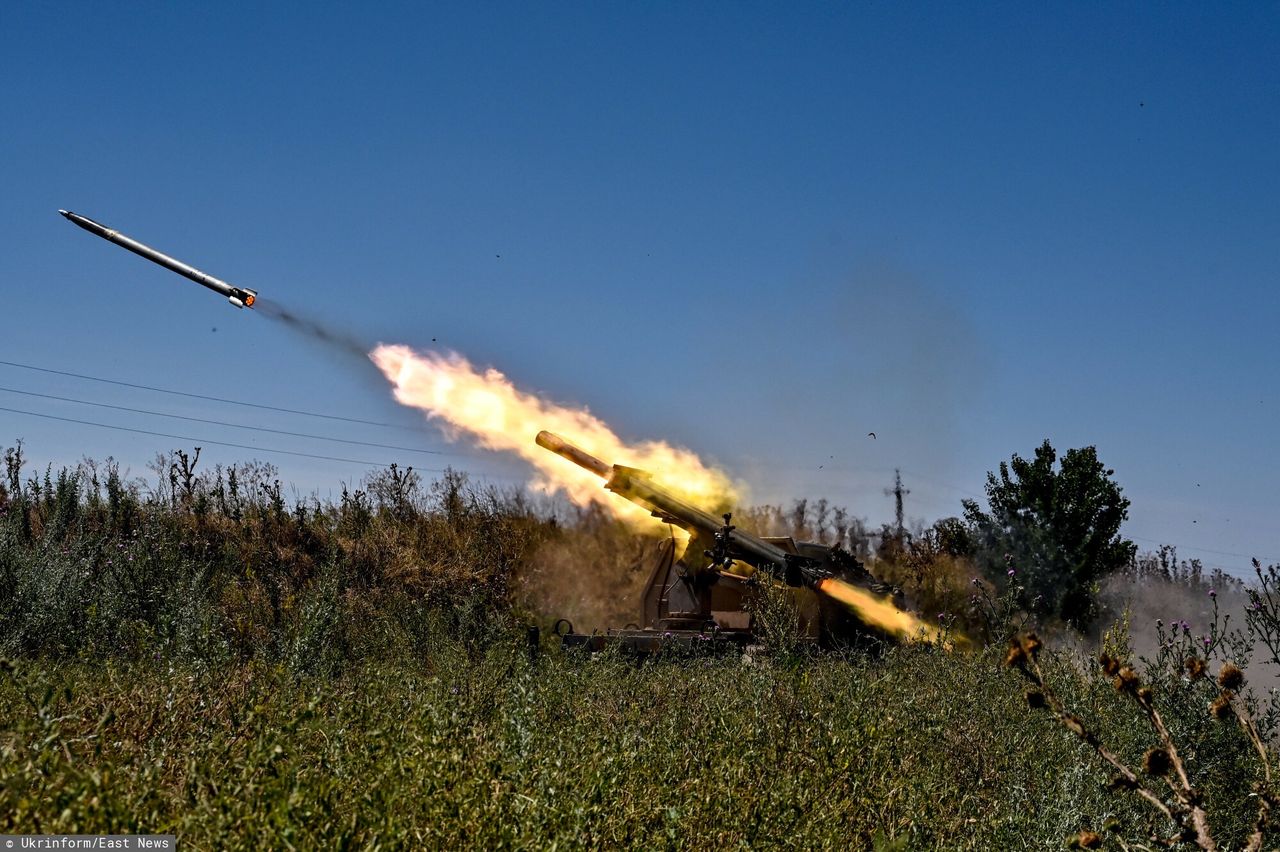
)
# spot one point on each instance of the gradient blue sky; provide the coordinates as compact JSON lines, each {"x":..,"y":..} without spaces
{"x":758,"y":230}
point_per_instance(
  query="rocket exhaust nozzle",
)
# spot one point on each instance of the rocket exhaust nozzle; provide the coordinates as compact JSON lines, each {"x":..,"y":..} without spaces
{"x":583,"y":459}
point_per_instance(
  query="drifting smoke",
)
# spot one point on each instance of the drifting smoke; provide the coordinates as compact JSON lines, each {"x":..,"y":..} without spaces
{"x":484,"y":406}
{"x":1184,"y":597}
{"x":310,"y":327}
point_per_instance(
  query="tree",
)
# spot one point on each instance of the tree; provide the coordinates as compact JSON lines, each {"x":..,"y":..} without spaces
{"x":1054,"y":532}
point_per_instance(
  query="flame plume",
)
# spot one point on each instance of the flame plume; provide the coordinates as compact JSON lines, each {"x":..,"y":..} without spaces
{"x":484,"y":406}
{"x":880,"y":612}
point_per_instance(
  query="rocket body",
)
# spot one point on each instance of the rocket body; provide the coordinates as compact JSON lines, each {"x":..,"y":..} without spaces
{"x":241,"y":297}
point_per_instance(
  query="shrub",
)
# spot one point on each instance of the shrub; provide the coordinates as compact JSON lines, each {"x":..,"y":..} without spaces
{"x":1059,"y":529}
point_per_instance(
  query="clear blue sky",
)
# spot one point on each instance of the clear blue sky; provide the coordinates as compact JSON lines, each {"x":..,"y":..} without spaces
{"x":759,"y":230}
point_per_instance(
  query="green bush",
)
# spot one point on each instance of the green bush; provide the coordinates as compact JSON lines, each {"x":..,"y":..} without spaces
{"x":1057,"y":530}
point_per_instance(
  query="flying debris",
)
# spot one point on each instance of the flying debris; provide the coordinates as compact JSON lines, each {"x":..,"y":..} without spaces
{"x":241,"y":297}
{"x":871,"y":435}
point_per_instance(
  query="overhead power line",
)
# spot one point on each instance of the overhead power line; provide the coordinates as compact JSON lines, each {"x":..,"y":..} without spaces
{"x":366,"y":462}
{"x":208,"y":398}
{"x":225,"y":423}
{"x":204,"y":441}
{"x":1205,"y":549}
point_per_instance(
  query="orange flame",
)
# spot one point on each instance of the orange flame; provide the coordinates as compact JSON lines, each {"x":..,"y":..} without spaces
{"x":880,"y":613}
{"x":486,"y":407}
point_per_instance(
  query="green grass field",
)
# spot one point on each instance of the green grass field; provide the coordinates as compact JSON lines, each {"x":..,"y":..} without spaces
{"x":239,"y":673}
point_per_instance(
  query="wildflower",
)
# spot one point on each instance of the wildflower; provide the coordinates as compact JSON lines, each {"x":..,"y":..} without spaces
{"x":1159,"y":622}
{"x":1212,"y":593}
{"x":1230,"y":677}
{"x":1221,"y":707}
{"x":1156,"y":762}
{"x":1196,"y":667}
{"x":1011,"y":572}
{"x":1126,"y":680}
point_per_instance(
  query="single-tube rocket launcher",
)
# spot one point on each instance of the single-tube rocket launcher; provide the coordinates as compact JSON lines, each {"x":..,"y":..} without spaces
{"x":241,"y":297}
{"x":829,"y":570}
{"x":730,"y":543}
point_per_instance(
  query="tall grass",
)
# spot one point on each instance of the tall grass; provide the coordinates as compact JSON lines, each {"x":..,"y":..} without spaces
{"x":207,"y":658}
{"x":482,"y":748}
{"x":217,"y":567}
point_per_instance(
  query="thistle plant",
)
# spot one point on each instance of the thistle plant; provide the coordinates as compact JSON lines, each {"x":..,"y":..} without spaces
{"x":1000,"y":614}
{"x":1165,"y":781}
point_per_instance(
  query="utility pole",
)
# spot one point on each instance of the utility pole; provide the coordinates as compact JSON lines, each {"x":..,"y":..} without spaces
{"x":898,"y":493}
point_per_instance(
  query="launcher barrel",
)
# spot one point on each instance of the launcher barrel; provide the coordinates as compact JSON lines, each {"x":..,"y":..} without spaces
{"x":639,"y":488}
{"x":582,"y":458}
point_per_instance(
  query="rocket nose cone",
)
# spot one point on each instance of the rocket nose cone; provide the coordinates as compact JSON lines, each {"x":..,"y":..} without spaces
{"x":65,"y":214}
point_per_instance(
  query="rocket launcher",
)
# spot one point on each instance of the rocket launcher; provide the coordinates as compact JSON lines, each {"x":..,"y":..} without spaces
{"x":831,"y":571}
{"x":727,"y":543}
